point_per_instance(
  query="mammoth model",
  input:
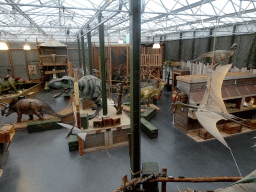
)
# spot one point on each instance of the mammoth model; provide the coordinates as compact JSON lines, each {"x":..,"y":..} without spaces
{"x":29,"y":107}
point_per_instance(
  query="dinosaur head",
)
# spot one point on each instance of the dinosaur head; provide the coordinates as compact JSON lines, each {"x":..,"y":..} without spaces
{"x":65,"y":83}
{"x":176,"y":106}
{"x":234,"y":46}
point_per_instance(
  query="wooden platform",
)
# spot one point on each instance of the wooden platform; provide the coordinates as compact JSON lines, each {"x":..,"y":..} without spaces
{"x":24,"y":122}
{"x":27,"y":93}
{"x":127,"y":108}
{"x":194,"y":134}
{"x":109,"y":136}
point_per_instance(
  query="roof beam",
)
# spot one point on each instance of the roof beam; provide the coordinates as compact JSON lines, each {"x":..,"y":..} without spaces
{"x":26,"y":16}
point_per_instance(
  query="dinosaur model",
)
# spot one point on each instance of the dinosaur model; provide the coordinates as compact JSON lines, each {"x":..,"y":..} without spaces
{"x":9,"y":83}
{"x":219,"y":55}
{"x":150,"y":91}
{"x":28,"y":106}
{"x":89,"y":88}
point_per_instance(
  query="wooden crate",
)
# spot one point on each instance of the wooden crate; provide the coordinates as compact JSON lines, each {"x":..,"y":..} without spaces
{"x":204,"y":134}
{"x":6,"y":133}
{"x":232,"y":128}
{"x":149,"y":129}
{"x":252,"y":124}
{"x":73,"y":143}
{"x":149,"y":113}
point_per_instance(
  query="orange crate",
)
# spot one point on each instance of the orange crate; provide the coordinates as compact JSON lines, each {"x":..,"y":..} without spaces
{"x":6,"y":133}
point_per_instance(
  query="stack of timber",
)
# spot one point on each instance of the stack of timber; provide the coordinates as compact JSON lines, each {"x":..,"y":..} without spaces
{"x":43,"y":125}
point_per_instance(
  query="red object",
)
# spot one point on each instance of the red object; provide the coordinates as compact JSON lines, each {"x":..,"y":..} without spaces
{"x":18,"y":78}
{"x":7,"y":77}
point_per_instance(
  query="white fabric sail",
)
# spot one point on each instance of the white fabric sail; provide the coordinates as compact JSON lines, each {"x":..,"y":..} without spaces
{"x":212,"y":101}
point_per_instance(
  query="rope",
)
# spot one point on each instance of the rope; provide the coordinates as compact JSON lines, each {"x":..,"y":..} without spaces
{"x":235,"y":162}
{"x":136,"y":172}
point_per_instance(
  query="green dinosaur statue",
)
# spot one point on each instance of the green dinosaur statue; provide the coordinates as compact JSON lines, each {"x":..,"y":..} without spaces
{"x":150,"y":91}
{"x":9,"y":83}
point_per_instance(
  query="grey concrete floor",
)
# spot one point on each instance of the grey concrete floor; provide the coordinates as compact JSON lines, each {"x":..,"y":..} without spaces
{"x":41,"y":162}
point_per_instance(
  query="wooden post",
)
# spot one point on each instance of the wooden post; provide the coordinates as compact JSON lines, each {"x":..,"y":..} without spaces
{"x":78,"y":118}
{"x":26,"y":61}
{"x":11,"y":63}
{"x":164,"y":171}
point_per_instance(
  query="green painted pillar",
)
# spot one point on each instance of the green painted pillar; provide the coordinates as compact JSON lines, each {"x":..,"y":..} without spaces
{"x":83,"y":52}
{"x":180,"y":47}
{"x":135,"y":51}
{"x":209,"y":46}
{"x":79,"y":51}
{"x":89,"y":40}
{"x":103,"y":67}
{"x":193,"y":45}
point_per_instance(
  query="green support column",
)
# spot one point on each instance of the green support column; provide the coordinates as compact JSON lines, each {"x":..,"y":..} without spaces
{"x":193,"y":45}
{"x":135,"y":51}
{"x":180,"y":47}
{"x":79,"y":51}
{"x":209,"y":46}
{"x":83,"y":52}
{"x":89,"y":40}
{"x":103,"y":67}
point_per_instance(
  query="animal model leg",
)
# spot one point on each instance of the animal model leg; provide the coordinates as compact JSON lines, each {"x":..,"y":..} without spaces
{"x":37,"y":113}
{"x":97,"y":101}
{"x":13,"y":86}
{"x":31,"y":117}
{"x":19,"y":116}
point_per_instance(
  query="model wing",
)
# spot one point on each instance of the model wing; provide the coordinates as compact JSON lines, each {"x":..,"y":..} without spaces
{"x":212,"y":97}
{"x":208,"y":120}
{"x":75,"y":129}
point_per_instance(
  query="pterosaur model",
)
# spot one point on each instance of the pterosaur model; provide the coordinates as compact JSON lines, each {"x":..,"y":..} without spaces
{"x":74,"y":131}
{"x":212,"y":108}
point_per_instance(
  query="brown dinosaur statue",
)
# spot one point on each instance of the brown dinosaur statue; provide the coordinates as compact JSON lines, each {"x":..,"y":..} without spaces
{"x":150,"y":91}
{"x":219,"y":55}
{"x":28,"y":106}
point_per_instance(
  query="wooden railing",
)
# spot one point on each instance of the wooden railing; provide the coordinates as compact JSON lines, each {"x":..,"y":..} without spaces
{"x":151,"y":60}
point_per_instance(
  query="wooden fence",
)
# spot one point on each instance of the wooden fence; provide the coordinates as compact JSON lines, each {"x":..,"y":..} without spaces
{"x":151,"y":60}
{"x":201,"y":68}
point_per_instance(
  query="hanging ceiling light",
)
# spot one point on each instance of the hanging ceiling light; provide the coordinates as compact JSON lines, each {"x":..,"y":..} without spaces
{"x":3,"y":46}
{"x":120,"y":41}
{"x":156,"y":46}
{"x":26,"y":47}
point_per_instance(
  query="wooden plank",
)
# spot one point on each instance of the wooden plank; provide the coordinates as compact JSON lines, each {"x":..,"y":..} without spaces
{"x":100,"y":148}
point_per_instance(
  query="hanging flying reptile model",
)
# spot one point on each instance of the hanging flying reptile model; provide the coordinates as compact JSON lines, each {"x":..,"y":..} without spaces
{"x":212,"y":108}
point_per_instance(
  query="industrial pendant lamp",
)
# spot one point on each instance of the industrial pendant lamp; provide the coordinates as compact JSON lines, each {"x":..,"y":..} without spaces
{"x":3,"y":46}
{"x":26,"y":47}
{"x":156,"y":45}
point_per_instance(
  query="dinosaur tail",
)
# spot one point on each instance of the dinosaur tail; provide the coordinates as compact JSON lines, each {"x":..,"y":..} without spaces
{"x":50,"y":111}
{"x":208,"y":54}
